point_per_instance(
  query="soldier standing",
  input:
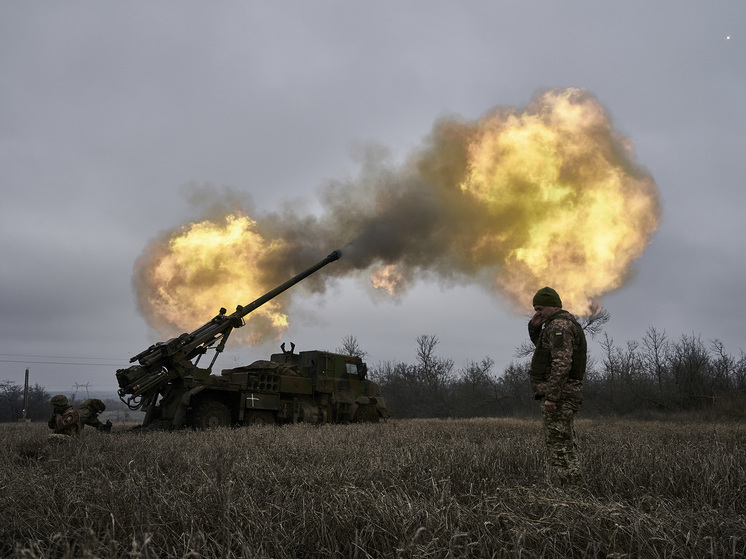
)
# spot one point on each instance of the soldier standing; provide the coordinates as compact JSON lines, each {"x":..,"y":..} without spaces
{"x":65,"y":419}
{"x":557,"y":370}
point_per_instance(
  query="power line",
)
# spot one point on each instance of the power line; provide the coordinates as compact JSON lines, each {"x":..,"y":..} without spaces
{"x":61,"y":363}
{"x":51,"y":356}
{"x":69,"y":360}
{"x":97,"y":387}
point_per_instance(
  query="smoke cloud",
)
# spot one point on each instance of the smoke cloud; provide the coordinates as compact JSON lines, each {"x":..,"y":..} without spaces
{"x":521,"y":198}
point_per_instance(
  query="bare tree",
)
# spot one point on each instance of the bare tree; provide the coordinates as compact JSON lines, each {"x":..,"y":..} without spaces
{"x":436,"y":371}
{"x":655,"y":360}
{"x":475,"y":393}
{"x":38,"y":402}
{"x":351,"y":347}
{"x":526,"y":349}
{"x":594,"y":323}
{"x":515,"y":386}
{"x":723,"y":367}
{"x":11,"y":396}
{"x":690,"y":364}
{"x":478,"y":374}
{"x":739,"y":372}
{"x":624,"y":382}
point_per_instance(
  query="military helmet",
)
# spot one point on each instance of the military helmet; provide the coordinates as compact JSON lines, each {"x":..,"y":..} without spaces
{"x":59,"y":400}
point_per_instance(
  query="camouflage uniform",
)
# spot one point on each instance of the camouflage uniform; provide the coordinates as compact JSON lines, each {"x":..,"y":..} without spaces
{"x":557,"y":370}
{"x":89,"y":411}
{"x":65,"y":419}
{"x":69,"y":421}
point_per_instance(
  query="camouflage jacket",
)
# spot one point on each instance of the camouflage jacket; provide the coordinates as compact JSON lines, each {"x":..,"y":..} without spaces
{"x":559,"y":360}
{"x":88,"y":417}
{"x":89,"y":413}
{"x":65,"y":421}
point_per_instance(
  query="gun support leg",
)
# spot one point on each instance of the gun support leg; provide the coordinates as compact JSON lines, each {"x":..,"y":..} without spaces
{"x":180,"y":415}
{"x":150,"y":414}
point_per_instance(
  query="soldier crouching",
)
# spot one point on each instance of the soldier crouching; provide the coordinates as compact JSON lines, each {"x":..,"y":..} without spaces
{"x":67,"y":421}
{"x":89,"y":411}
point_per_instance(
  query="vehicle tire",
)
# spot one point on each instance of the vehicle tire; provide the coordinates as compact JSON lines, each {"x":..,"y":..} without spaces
{"x":366,"y":413}
{"x":211,"y":414}
{"x":259,"y":418}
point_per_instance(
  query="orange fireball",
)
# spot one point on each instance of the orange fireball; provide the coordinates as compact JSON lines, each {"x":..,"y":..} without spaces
{"x":187,"y":277}
{"x":519,"y":199}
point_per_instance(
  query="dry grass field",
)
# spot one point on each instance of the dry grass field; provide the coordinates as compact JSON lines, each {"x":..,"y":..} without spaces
{"x":415,"y":488}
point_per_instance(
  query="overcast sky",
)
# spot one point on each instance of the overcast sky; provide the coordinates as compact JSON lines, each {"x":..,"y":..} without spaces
{"x":108,"y":109}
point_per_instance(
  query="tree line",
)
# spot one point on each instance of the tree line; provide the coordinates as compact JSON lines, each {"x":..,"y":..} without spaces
{"x":654,"y":376}
{"x":12,"y":402}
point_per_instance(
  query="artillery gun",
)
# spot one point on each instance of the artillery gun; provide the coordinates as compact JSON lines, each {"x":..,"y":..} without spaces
{"x":311,"y":386}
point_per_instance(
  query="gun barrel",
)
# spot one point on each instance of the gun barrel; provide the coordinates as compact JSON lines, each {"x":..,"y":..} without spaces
{"x":164,"y":361}
{"x":243,"y":311}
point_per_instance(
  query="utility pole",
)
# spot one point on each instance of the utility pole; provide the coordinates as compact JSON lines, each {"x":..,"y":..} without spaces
{"x":24,"y":419}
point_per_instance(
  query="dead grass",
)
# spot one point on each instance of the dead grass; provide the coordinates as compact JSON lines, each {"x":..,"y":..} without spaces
{"x":417,"y":488}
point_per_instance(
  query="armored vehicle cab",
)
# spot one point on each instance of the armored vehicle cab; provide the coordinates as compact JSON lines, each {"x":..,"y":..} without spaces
{"x":310,"y":386}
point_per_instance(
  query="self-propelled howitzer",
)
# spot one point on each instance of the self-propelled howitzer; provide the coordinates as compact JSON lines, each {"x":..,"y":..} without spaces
{"x":312,"y":386}
{"x":170,"y":370}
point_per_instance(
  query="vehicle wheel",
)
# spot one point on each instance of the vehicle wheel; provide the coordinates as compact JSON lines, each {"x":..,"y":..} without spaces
{"x":259,"y":418}
{"x":211,"y":414}
{"x":366,"y":414}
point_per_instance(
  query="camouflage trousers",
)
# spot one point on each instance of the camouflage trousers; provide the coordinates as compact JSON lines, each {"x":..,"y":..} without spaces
{"x":559,"y":432}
